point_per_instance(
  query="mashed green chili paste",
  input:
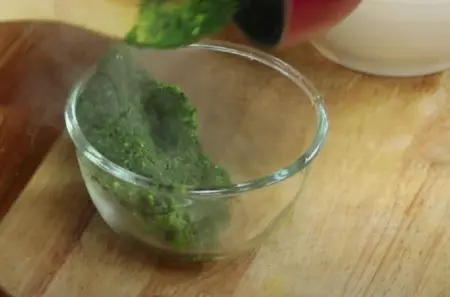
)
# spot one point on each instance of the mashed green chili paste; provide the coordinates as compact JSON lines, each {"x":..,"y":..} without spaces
{"x":150,"y":129}
{"x":173,"y":23}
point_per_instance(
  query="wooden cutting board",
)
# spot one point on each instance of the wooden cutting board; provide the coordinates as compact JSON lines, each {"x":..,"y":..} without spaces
{"x":373,"y":219}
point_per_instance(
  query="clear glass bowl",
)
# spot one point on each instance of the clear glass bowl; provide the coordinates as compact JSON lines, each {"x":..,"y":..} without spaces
{"x":258,"y":118}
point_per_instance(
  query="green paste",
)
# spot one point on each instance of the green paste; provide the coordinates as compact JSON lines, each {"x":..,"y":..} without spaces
{"x":150,"y":129}
{"x":174,"y":23}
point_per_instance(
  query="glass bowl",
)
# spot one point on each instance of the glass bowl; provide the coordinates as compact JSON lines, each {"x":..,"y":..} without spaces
{"x":258,"y":118}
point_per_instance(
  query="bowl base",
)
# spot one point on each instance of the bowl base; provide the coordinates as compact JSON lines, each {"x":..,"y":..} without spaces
{"x":124,"y":223}
{"x":412,"y":69}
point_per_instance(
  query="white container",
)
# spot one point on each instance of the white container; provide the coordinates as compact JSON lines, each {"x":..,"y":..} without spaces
{"x":392,"y":38}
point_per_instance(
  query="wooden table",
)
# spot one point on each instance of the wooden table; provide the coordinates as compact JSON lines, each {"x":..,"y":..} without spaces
{"x":373,"y":220}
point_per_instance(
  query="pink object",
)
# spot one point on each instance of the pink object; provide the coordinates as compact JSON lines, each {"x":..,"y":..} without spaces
{"x":305,"y":18}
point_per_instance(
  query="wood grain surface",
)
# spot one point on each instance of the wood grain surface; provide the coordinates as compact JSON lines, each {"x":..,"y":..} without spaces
{"x":37,"y":67}
{"x":373,"y":219}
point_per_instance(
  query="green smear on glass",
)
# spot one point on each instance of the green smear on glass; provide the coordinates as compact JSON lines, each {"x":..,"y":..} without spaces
{"x":174,"y":23}
{"x":150,"y":129}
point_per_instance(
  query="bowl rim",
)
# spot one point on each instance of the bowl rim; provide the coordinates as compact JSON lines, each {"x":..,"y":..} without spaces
{"x":87,"y":150}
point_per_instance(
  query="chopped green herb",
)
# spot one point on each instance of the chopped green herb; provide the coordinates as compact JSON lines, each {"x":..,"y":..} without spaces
{"x":150,"y":129}
{"x":174,"y":23}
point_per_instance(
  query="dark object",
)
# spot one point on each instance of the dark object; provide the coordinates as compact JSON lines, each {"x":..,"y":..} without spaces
{"x":261,"y":20}
{"x":283,"y":22}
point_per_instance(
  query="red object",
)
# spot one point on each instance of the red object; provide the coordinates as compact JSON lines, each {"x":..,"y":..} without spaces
{"x":304,"y":18}
{"x":284,"y":22}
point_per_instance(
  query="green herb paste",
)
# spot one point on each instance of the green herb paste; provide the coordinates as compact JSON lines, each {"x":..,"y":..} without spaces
{"x":174,"y":23}
{"x":150,"y":129}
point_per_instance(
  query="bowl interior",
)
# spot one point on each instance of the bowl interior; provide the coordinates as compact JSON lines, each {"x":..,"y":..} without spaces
{"x":252,"y":119}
